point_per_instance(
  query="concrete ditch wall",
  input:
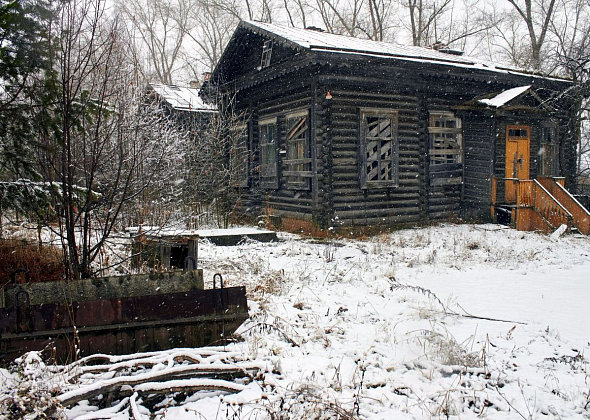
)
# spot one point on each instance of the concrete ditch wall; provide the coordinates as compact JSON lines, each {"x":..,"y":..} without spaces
{"x":113,"y":287}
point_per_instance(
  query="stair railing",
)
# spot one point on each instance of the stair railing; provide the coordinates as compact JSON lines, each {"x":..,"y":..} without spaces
{"x":548,"y":207}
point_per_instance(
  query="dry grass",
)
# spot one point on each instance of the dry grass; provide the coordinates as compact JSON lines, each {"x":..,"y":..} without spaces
{"x":302,"y":227}
{"x":43,"y":265}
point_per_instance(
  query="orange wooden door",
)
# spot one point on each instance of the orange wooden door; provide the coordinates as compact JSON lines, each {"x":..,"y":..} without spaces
{"x":517,"y":158}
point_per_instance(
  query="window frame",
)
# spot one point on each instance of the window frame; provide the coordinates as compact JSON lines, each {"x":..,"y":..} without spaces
{"x":268,"y":170}
{"x":543,"y":144}
{"x":239,"y":155}
{"x":438,"y":155}
{"x":297,"y":165}
{"x":365,"y":167}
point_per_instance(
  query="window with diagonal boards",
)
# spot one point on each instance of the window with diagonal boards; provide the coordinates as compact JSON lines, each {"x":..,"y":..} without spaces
{"x":297,"y":171}
{"x":379,"y":147}
{"x":239,"y":156}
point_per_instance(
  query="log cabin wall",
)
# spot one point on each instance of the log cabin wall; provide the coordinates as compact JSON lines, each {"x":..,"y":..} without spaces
{"x":351,"y":204}
{"x":568,"y":152}
{"x":478,"y":146}
{"x":335,"y":197}
{"x":279,"y":200}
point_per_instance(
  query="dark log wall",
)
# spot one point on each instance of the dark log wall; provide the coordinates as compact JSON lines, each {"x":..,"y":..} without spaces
{"x":568,"y":153}
{"x":351,"y":204}
{"x":478,"y":152}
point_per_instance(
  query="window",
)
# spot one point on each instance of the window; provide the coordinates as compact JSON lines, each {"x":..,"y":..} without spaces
{"x":548,"y":151}
{"x":239,"y":156}
{"x":267,"y":131}
{"x":445,"y":138}
{"x":378,"y":148}
{"x":298,"y":162}
{"x":518,"y":132}
{"x":266,"y":54}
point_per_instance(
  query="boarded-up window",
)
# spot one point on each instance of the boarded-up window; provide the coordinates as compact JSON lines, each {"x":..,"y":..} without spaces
{"x":267,"y":132}
{"x":297,"y":166}
{"x":548,"y":151}
{"x":239,"y":156}
{"x":378,"y":148}
{"x":445,"y":138}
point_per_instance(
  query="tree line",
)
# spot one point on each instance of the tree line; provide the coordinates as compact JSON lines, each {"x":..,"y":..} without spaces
{"x":184,"y":38}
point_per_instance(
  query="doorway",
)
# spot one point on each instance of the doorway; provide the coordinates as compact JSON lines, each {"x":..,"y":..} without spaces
{"x":517,"y":158}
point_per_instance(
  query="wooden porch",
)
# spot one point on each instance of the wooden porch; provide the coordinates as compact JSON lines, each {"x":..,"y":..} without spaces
{"x":541,"y":204}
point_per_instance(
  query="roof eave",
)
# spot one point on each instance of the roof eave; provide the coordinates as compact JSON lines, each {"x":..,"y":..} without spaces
{"x":264,"y":32}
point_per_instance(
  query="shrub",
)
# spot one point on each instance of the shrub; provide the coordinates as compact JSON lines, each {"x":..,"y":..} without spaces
{"x":33,"y":392}
{"x":44,"y":264}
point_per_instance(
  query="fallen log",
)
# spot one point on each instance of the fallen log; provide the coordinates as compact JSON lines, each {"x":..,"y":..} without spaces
{"x":109,"y":385}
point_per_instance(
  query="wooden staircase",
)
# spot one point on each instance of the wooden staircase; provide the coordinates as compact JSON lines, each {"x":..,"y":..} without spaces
{"x":543,"y":204}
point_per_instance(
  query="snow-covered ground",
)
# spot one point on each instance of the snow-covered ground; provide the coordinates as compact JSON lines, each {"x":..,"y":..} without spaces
{"x":472,"y":321}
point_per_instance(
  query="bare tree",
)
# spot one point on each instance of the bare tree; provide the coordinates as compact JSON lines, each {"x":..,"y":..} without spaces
{"x":259,"y":10}
{"x":537,"y":17}
{"x":570,"y":43}
{"x":505,"y":41}
{"x":160,"y":25}
{"x":297,"y":11}
{"x":356,"y":18}
{"x":340,"y":16}
{"x":209,"y":27}
{"x":102,"y":145}
{"x":375,"y":21}
{"x":424,"y":15}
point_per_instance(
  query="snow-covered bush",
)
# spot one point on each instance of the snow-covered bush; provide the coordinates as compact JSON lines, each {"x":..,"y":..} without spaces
{"x":30,"y":390}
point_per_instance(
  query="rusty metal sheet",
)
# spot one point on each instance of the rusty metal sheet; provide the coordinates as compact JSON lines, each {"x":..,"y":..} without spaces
{"x":125,"y":325}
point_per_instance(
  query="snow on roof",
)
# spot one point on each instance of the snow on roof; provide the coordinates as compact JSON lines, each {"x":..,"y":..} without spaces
{"x":503,"y":98}
{"x":155,"y":231}
{"x":182,"y":98}
{"x":322,"y":41}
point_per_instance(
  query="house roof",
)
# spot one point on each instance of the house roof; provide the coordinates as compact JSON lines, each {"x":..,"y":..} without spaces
{"x":315,"y":40}
{"x":182,"y":98}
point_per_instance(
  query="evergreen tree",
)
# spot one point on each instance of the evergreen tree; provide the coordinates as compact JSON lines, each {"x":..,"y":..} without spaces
{"x":24,"y":59}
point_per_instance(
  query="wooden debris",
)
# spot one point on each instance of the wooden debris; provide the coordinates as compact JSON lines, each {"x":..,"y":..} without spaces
{"x":160,"y":373}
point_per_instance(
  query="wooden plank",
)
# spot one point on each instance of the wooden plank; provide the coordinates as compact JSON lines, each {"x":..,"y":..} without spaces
{"x":446,"y":181}
{"x":444,"y":130}
{"x":297,"y":174}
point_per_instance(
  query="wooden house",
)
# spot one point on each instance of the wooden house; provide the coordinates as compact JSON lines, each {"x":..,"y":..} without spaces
{"x":339,"y":131}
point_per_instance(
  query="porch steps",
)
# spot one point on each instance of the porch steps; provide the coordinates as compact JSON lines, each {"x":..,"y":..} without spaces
{"x":580,"y":215}
{"x":544,"y":204}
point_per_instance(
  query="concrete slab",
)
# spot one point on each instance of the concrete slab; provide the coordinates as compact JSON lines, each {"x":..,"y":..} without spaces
{"x":221,"y":237}
{"x":231,"y":237}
